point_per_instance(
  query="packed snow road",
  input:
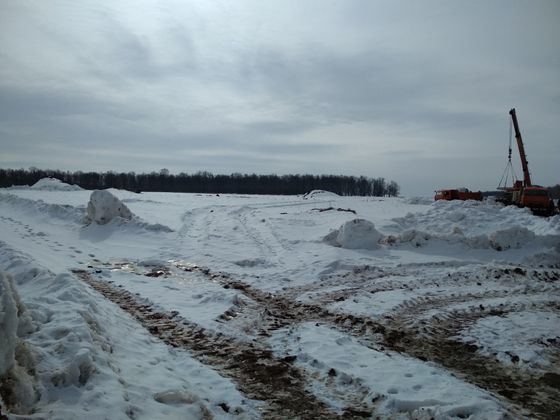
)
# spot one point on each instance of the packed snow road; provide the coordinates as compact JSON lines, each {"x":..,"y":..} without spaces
{"x":204,"y":306}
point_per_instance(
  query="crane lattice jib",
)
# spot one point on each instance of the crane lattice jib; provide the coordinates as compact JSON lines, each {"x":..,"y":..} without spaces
{"x":524,"y":163}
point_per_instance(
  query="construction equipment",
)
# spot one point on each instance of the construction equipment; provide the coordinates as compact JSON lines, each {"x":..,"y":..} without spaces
{"x":524,"y":193}
{"x":457,"y":194}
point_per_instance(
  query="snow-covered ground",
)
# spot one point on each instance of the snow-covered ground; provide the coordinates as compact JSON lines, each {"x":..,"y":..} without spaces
{"x":238,"y":306}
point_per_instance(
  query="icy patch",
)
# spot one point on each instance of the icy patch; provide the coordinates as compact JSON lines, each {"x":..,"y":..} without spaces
{"x":399,"y":385}
{"x":104,"y":207}
{"x":355,"y":234}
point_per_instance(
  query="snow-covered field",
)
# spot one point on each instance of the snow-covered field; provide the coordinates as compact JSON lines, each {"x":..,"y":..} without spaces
{"x":237,"y":306}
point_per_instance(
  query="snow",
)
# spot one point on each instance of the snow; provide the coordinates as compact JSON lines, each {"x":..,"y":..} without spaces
{"x":525,"y":340}
{"x":49,"y":184}
{"x":104,"y":207}
{"x":319,"y":194}
{"x":237,"y":270}
{"x":355,"y":234}
{"x":8,"y":324}
{"x":396,"y":383}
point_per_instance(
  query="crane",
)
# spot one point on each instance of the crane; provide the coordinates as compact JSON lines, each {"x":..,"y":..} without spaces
{"x":522,"y":155}
{"x":524,"y":193}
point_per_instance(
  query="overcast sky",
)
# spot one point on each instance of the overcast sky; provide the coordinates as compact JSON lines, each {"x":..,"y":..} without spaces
{"x":413,"y":91}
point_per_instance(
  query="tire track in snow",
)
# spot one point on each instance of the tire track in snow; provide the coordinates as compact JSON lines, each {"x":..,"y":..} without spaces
{"x":258,"y":373}
{"x":433,"y":338}
{"x":406,"y":330}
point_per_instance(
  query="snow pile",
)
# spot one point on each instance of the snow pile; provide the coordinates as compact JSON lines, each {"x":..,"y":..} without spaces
{"x":53,"y":184}
{"x":477,"y":225}
{"x":319,"y":194}
{"x":104,"y":207}
{"x":14,"y":356}
{"x":355,"y":234}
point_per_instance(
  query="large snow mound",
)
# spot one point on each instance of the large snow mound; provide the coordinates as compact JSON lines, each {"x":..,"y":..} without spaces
{"x":355,"y":234}
{"x":104,"y":207}
{"x":53,"y":184}
{"x":319,"y":194}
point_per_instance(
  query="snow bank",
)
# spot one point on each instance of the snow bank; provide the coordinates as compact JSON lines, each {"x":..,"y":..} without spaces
{"x":16,"y":386}
{"x":8,"y":324}
{"x":319,"y":194}
{"x":89,"y":359}
{"x":355,"y":234}
{"x":39,"y":207}
{"x":479,"y":225}
{"x":53,"y":184}
{"x":104,"y":207}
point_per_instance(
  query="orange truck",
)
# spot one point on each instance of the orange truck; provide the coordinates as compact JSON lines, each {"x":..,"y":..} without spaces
{"x":458,"y":194}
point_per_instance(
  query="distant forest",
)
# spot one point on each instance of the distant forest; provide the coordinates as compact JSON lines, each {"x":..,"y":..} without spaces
{"x":205,"y":182}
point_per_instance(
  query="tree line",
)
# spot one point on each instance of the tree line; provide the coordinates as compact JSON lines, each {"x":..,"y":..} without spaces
{"x":206,"y":182}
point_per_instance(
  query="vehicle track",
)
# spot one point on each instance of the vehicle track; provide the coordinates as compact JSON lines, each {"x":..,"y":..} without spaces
{"x":432,"y":339}
{"x":258,"y":373}
{"x":409,"y":328}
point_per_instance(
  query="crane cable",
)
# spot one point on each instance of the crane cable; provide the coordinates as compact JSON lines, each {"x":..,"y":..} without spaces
{"x":509,"y":167}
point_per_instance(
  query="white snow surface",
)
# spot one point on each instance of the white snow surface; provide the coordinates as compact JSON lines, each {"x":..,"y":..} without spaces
{"x":80,"y":355}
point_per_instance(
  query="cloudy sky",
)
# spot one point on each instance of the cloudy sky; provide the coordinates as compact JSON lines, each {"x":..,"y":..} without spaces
{"x":413,"y":91}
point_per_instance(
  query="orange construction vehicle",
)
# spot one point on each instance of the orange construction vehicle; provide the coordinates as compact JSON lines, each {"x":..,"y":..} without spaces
{"x":458,"y":194}
{"x":524,"y":193}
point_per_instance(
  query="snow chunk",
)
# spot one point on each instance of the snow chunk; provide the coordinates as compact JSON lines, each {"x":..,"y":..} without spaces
{"x":104,"y":207}
{"x":355,"y":234}
{"x":53,"y":184}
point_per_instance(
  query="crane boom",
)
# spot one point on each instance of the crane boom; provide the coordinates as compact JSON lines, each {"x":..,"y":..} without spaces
{"x":524,"y":163}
